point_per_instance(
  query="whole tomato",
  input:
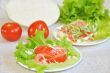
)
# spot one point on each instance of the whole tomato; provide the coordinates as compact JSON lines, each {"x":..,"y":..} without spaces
{"x":38,"y":25}
{"x":11,"y":31}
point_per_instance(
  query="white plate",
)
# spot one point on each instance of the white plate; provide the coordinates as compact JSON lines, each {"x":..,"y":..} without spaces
{"x":25,"y":12}
{"x":56,"y":70}
{"x":82,"y":43}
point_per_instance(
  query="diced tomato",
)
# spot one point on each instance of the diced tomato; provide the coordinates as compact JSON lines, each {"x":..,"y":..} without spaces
{"x":85,"y":34}
{"x":89,"y":33}
{"x":71,"y":37}
{"x":80,"y":23}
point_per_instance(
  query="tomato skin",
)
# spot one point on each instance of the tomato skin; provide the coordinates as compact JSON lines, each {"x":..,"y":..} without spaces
{"x":71,"y":37}
{"x":85,"y":35}
{"x":11,"y":31}
{"x":80,"y":23}
{"x":40,"y":58}
{"x":60,"y":55}
{"x":89,"y":33}
{"x":38,"y":25}
{"x":50,"y":55}
{"x":45,"y":50}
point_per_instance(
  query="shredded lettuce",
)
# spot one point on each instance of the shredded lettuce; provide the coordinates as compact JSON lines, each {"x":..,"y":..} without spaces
{"x":25,"y":52}
{"x":91,"y":11}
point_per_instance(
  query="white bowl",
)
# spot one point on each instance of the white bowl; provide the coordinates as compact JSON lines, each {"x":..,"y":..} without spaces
{"x":25,"y":12}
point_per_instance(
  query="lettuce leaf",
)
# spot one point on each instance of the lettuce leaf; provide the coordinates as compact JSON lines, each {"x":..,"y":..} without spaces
{"x":81,"y":9}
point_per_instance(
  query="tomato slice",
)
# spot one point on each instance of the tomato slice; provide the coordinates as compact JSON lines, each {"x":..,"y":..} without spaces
{"x":89,"y":33}
{"x":60,"y":54}
{"x":45,"y":50}
{"x":85,"y":34}
{"x":40,"y":58}
{"x":46,"y":54}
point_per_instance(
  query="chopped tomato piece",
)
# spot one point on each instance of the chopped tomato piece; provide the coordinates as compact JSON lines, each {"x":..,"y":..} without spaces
{"x":80,"y":23}
{"x":71,"y":37}
{"x":89,"y":33}
{"x":83,"y":36}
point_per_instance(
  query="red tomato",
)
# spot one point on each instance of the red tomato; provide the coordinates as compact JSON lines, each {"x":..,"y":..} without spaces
{"x":46,"y":54}
{"x":89,"y":33}
{"x":71,"y":37}
{"x":11,"y":31}
{"x":80,"y":23}
{"x":46,"y":50}
{"x":40,"y":58}
{"x":85,"y":35}
{"x":60,"y":55}
{"x":38,"y":25}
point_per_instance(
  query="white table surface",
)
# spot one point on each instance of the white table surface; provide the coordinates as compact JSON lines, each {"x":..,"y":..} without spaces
{"x":96,"y":59}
